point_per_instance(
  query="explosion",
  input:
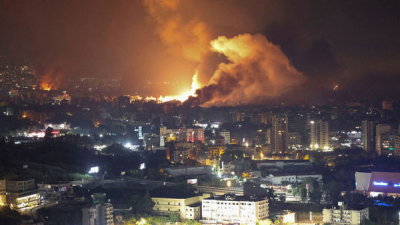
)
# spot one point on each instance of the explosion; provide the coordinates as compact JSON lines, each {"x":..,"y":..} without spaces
{"x":47,"y":86}
{"x":257,"y":69}
{"x":183,"y":97}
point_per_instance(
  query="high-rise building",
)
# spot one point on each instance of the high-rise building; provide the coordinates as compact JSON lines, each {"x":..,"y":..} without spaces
{"x":319,"y":135}
{"x":226,"y":135}
{"x":99,"y":214}
{"x":368,"y":134}
{"x":384,"y":138}
{"x":279,"y":139}
{"x":397,"y":145}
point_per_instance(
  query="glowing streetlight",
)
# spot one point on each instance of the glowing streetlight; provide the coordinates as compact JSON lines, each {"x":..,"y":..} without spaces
{"x":228,"y":183}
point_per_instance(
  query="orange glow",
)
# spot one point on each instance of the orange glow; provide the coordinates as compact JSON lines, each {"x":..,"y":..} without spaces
{"x":192,"y":93}
{"x":47,"y":86}
{"x":183,"y":97}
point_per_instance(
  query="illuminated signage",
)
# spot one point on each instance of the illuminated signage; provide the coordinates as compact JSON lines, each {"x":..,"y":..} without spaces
{"x":94,"y":169}
{"x":396,"y":185}
{"x":380,"y":183}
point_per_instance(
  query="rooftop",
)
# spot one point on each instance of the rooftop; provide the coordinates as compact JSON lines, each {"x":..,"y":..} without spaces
{"x":233,"y":197}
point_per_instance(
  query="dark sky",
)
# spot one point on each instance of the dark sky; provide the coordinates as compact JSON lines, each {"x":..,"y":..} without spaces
{"x":355,"y":44}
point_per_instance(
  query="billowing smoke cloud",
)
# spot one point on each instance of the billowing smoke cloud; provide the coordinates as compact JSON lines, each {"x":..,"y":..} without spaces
{"x":189,"y":39}
{"x":258,"y":70}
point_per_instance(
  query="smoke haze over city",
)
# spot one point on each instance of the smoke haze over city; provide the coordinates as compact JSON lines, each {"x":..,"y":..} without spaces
{"x":243,"y":52}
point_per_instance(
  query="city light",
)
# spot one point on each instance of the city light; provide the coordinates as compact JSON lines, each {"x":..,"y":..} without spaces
{"x":142,"y":221}
{"x":94,"y":169}
{"x":380,"y":183}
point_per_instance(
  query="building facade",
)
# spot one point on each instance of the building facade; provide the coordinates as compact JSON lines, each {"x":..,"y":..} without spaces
{"x":319,"y":135}
{"x":342,"y":215}
{"x":368,"y":134}
{"x":235,"y":209}
{"x":226,"y":135}
{"x":99,"y":214}
{"x":19,"y":193}
{"x":384,"y":139}
{"x":186,"y":208}
{"x":279,"y":134}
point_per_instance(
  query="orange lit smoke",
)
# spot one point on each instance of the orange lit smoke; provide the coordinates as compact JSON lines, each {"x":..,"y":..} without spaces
{"x":189,"y":39}
{"x":183,"y":97}
{"x":257,"y":69}
{"x":47,"y":86}
{"x":47,"y":82}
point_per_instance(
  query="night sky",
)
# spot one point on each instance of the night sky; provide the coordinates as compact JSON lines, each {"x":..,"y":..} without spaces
{"x":352,"y":44}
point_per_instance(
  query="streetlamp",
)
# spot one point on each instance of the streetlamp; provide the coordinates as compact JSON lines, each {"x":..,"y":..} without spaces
{"x":228,"y":183}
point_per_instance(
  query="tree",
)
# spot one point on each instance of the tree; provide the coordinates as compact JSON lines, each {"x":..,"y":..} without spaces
{"x":265,"y":222}
{"x":191,"y":222}
{"x":334,"y":190}
{"x":303,"y":194}
{"x":270,"y":194}
{"x":142,"y":204}
{"x":115,"y":149}
{"x":282,"y":198}
{"x":315,"y":196}
{"x":174,"y":217}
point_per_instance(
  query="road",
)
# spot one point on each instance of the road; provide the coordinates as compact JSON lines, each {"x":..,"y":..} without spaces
{"x":32,"y":211}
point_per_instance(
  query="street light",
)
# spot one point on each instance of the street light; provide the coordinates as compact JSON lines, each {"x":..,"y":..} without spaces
{"x":228,"y":183}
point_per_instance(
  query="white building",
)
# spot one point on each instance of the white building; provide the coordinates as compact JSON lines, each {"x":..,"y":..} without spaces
{"x":319,"y":135}
{"x":342,"y":215}
{"x":99,"y":214}
{"x":226,"y":135}
{"x":186,"y":208}
{"x":235,"y":209}
{"x":277,"y":179}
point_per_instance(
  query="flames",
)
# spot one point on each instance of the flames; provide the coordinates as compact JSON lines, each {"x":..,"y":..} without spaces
{"x":47,"y":86}
{"x":256,"y":69}
{"x":183,"y":97}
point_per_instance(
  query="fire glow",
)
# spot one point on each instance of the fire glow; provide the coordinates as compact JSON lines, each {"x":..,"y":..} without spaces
{"x":192,"y":93}
{"x":47,"y":86}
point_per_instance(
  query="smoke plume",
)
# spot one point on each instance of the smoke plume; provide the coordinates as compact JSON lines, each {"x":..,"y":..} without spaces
{"x":256,"y":69}
{"x":189,"y":39}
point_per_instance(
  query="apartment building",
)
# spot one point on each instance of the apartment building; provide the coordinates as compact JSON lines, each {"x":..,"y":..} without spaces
{"x":230,"y":208}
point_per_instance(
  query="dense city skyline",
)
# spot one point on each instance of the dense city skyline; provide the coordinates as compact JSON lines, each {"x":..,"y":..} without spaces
{"x":349,"y":47}
{"x":199,"y":112}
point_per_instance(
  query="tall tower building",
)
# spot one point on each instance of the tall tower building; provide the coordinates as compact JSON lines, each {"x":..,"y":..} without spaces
{"x":368,"y":134}
{"x":279,"y":134}
{"x":397,"y":145}
{"x":383,"y":137}
{"x":319,"y":135}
